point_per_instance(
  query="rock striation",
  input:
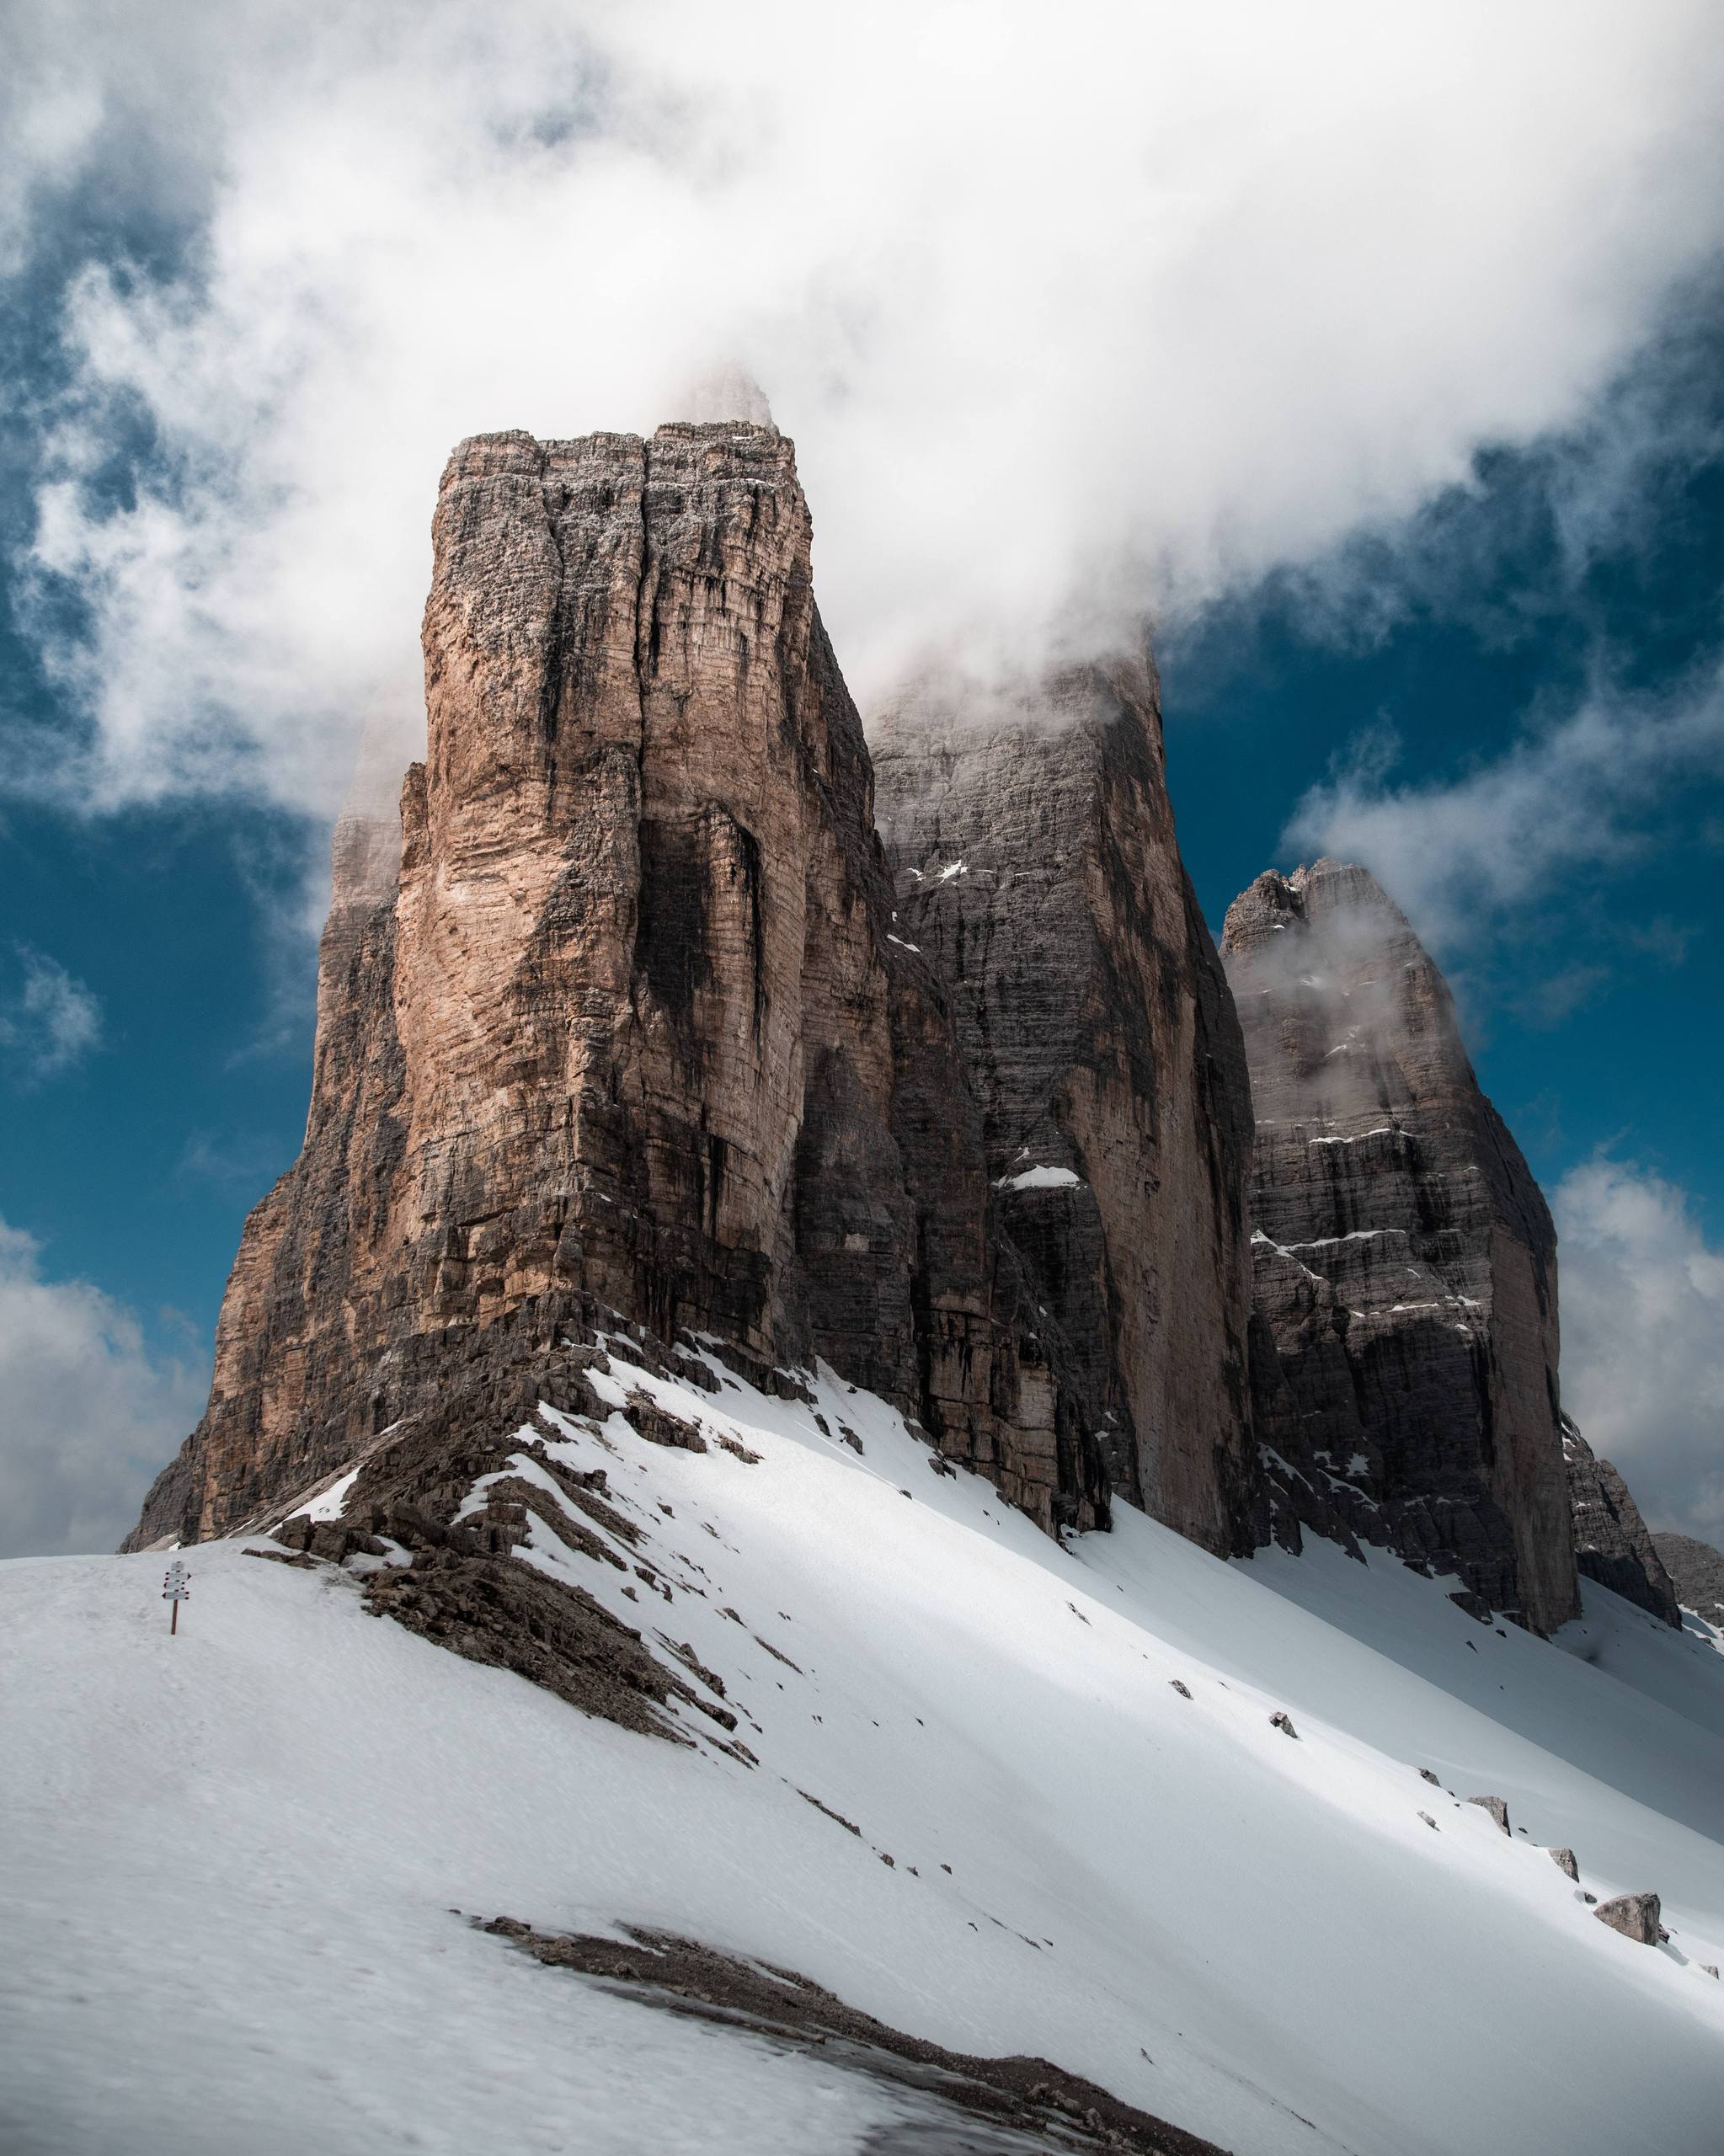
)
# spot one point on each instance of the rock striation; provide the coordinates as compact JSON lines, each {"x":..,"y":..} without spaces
{"x":1037,"y":869}
{"x":1696,"y":1574}
{"x":1611,"y":1544}
{"x":621,"y":1021}
{"x":1404,"y":1345}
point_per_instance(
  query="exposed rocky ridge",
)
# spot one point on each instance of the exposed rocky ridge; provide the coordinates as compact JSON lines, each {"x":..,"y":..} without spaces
{"x":624,"y":1018}
{"x":1405,"y":1329}
{"x":1611,"y":1544}
{"x":1696,"y":1573}
{"x":1037,"y":870}
{"x":1036,"y":2108}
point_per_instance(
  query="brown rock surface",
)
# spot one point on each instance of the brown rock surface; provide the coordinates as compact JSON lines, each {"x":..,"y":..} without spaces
{"x":1611,"y":1544}
{"x":1635,"y":1916}
{"x":1405,"y":1329}
{"x":1037,"y":870}
{"x":622,"y":1022}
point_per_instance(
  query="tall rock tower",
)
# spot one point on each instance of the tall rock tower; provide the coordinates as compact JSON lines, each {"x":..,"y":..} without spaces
{"x":1038,"y":870}
{"x":1405,"y":1334}
{"x":621,"y":1025}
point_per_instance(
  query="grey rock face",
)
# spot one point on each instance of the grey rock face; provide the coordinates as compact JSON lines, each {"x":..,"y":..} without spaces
{"x":618,"y":1014}
{"x":1404,"y":1339}
{"x":1036,"y":871}
{"x":1635,"y":1916}
{"x":1496,"y":1808}
{"x":1611,"y":1544}
{"x":1696,"y":1573}
{"x":1564,"y":1861}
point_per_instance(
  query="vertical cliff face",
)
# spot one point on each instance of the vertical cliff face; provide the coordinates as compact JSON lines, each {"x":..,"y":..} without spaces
{"x":628,"y":1030}
{"x":1405,"y":1341}
{"x":1611,"y":1544}
{"x":1038,"y":870}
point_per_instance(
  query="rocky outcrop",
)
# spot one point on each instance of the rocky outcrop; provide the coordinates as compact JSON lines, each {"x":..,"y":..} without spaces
{"x":1404,"y":1347}
{"x":1635,"y":1916}
{"x":1611,"y":1544}
{"x":620,"y":1021}
{"x":1696,"y":1574}
{"x":1038,"y":872}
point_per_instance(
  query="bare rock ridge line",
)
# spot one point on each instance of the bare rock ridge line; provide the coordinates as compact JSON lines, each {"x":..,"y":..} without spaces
{"x":1611,"y":1544}
{"x":624,"y":1022}
{"x":1038,"y":872}
{"x":1404,"y":1356}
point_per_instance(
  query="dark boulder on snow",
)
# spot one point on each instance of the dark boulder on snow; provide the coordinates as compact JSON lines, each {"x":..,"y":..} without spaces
{"x":1635,"y":1916}
{"x":1496,"y":1808}
{"x":1564,"y":1861}
{"x":1282,"y":1722}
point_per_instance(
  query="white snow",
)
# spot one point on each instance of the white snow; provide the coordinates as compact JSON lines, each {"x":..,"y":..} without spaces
{"x":1358,"y":1235}
{"x":1381,"y":1130}
{"x":901,"y":944}
{"x":232,"y":1855}
{"x":329,"y":1505}
{"x":1040,"y":1179}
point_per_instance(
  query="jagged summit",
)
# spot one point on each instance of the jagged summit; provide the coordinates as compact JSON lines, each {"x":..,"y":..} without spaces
{"x":1405,"y":1352}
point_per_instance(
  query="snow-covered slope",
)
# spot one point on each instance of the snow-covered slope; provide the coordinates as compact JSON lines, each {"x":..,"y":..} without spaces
{"x":234,"y":1858}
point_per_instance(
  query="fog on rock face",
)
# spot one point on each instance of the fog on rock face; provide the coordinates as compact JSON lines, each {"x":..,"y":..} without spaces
{"x":1405,"y":1365}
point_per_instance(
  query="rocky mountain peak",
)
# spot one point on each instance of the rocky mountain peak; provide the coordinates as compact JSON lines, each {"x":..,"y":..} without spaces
{"x":1405,"y":1349}
{"x":1037,"y":870}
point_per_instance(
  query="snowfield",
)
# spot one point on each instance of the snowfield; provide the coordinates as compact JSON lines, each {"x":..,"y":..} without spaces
{"x":239,"y":1864}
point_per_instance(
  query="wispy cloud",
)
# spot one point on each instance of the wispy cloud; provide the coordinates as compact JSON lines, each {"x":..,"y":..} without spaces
{"x":1643,"y":1338}
{"x":87,"y":1414}
{"x":1066,"y":321}
{"x":1462,"y":853}
{"x":50,"y":1023}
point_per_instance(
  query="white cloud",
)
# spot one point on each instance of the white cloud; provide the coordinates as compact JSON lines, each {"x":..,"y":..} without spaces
{"x":1643,"y":1338}
{"x":51,"y":1024}
{"x":1460,"y":854}
{"x":1066,"y":313}
{"x":87,"y":1415}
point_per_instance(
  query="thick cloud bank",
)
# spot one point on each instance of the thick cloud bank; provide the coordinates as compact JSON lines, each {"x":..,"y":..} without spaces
{"x":1070,"y":313}
{"x":1643,"y":1339}
{"x":86,"y":1414}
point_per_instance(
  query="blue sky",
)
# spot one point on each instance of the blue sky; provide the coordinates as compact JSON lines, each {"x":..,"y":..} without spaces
{"x":1416,"y":462}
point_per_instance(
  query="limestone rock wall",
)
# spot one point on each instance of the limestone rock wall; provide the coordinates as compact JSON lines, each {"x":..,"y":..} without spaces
{"x":1696,"y":1573}
{"x":1611,"y":1544}
{"x":1404,"y":1330}
{"x":622,"y":1022}
{"x":1037,"y":870}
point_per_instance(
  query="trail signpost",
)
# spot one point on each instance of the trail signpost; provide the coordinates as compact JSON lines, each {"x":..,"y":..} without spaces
{"x":175,"y":1589}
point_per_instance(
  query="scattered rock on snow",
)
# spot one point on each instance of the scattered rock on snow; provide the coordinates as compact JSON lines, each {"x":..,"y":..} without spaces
{"x":1430,"y":1823}
{"x":1282,"y":1722}
{"x":1635,"y":1916}
{"x":1564,"y":1861}
{"x":1426,"y":1775}
{"x":1496,"y":1808}
{"x":1183,"y":1690}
